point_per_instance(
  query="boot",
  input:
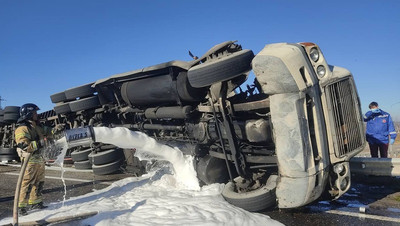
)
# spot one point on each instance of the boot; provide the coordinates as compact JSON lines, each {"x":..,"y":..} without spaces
{"x":22,"y":211}
{"x":38,"y":206}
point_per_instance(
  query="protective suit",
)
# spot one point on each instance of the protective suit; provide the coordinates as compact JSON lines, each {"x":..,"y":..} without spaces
{"x":30,"y":137}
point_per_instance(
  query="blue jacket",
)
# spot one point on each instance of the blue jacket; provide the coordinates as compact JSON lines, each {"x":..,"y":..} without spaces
{"x":379,"y":127}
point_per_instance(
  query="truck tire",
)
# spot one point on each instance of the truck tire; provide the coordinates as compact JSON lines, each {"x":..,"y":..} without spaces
{"x":107,"y":168}
{"x":1,"y":116}
{"x":62,"y":108}
{"x":80,"y":92}
{"x":11,"y":117}
{"x":4,"y":158}
{"x":8,"y":151}
{"x":105,"y":157}
{"x":81,"y":155}
{"x":11,"y":109}
{"x":58,"y":97}
{"x":82,"y":165}
{"x":84,"y":104}
{"x":253,"y":201}
{"x":228,"y":67}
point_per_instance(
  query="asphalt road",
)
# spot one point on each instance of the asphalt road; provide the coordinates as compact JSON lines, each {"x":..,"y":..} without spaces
{"x":78,"y":182}
{"x":381,"y":195}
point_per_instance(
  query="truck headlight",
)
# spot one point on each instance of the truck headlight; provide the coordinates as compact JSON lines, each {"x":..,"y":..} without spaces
{"x":339,"y":169}
{"x":321,"y":71}
{"x":314,"y":54}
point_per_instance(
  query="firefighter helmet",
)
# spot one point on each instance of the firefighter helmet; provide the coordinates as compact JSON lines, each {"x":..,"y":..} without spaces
{"x":26,"y":112}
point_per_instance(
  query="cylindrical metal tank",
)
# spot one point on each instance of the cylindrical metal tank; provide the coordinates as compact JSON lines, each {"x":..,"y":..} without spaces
{"x":160,"y":89}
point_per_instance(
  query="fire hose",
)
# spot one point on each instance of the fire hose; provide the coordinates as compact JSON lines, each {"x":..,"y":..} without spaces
{"x":27,"y":156}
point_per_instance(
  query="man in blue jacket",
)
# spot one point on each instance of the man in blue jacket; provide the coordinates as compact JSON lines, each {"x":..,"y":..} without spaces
{"x":379,"y":127}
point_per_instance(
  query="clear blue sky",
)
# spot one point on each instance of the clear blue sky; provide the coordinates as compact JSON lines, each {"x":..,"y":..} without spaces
{"x":47,"y":46}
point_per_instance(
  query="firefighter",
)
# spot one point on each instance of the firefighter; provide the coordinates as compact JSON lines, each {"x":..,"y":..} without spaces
{"x":30,"y":137}
{"x":379,"y":128}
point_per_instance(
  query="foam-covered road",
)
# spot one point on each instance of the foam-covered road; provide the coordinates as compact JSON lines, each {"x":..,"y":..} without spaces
{"x":376,"y":193}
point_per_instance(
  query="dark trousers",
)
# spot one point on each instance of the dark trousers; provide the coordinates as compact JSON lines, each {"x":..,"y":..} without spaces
{"x":383,"y":150}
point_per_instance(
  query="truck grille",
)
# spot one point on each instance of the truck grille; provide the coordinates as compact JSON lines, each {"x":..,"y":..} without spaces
{"x":347,"y":125}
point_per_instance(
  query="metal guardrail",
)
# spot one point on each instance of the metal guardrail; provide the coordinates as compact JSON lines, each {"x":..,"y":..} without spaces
{"x":375,"y":166}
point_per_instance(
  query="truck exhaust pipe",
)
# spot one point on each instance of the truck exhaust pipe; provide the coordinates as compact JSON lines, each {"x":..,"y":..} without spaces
{"x":80,"y":136}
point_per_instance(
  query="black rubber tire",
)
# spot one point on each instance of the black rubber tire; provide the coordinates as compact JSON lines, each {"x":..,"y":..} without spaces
{"x":105,"y":157}
{"x":186,"y":92}
{"x":8,"y":151}
{"x":84,"y":104}
{"x":62,"y":108}
{"x":82,"y":165}
{"x":256,"y":200}
{"x":11,"y":117}
{"x":58,"y":97}
{"x":9,"y":158}
{"x":81,"y":155}
{"x":104,"y":147}
{"x":80,"y":92}
{"x":11,"y":109}
{"x":228,"y":67}
{"x":107,"y":168}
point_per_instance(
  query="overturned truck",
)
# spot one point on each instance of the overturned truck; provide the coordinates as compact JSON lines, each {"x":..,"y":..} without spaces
{"x":286,"y":138}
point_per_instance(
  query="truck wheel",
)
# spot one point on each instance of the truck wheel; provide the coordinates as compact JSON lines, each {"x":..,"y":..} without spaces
{"x":256,"y":200}
{"x":11,"y":117}
{"x":81,"y":155}
{"x":80,"y":92}
{"x":8,"y":151}
{"x":107,"y":168}
{"x":104,"y":157}
{"x":84,"y":104}
{"x":7,"y":158}
{"x":227,"y":68}
{"x":81,"y":165}
{"x":1,"y":116}
{"x":11,"y":109}
{"x":62,"y":108}
{"x":58,"y":97}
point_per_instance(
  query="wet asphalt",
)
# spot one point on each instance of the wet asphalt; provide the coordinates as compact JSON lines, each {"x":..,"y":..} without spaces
{"x":344,"y":211}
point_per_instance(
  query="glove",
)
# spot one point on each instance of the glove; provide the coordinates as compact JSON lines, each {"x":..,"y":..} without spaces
{"x":391,"y":141}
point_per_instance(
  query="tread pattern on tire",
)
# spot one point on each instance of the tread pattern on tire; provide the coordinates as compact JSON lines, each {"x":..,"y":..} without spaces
{"x":8,"y":151}
{"x":105,"y":157}
{"x":84,"y":104}
{"x":11,"y":109}
{"x":107,"y":168}
{"x":227,"y":68}
{"x":10,"y":117}
{"x":80,"y":92}
{"x":62,"y":108}
{"x":58,"y":97}
{"x":256,"y":200}
{"x":81,"y":165}
{"x":80,"y":155}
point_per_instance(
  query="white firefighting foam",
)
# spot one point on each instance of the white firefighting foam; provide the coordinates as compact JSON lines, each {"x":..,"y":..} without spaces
{"x":184,"y":171}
